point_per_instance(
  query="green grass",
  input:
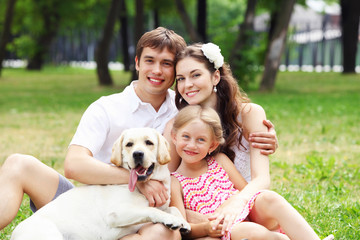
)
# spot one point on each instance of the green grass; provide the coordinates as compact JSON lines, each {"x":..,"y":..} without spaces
{"x":316,"y":116}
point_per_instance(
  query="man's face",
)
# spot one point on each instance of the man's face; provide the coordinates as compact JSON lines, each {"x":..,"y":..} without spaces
{"x":156,"y":71}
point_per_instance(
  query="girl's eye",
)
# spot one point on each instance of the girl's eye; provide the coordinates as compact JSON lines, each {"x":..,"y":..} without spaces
{"x":201,"y":140}
{"x":185,"y":136}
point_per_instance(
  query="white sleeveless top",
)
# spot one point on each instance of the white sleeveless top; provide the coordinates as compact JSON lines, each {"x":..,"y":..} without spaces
{"x":242,"y":159}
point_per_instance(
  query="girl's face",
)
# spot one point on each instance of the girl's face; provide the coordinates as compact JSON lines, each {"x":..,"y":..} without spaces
{"x":194,"y":141}
{"x":195,"y":83}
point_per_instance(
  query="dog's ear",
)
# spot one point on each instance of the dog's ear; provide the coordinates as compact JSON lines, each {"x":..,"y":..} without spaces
{"x":116,"y":156}
{"x":163,"y":153}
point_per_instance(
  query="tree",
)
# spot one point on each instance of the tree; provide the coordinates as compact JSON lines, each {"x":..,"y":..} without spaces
{"x":201,"y":19}
{"x":6,"y":30}
{"x":124,"y":35}
{"x":49,"y":12}
{"x":350,"y":13}
{"x":193,"y":34}
{"x":280,"y":18}
{"x":239,"y":60}
{"x":103,"y":47}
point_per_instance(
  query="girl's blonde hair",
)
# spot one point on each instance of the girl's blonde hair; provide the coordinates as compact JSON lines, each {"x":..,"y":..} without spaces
{"x":206,"y":115}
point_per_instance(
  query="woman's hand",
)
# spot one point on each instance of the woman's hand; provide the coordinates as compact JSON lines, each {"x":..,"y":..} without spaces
{"x":227,"y":213}
{"x":266,"y":141}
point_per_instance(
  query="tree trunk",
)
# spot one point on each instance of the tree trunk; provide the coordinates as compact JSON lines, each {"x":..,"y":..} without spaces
{"x":103,"y":47}
{"x":350,"y":12}
{"x":243,"y":38}
{"x":6,"y":30}
{"x":156,"y":18}
{"x":187,"y":21}
{"x":275,"y":47}
{"x":51,"y":19}
{"x":139,"y":28}
{"x":201,"y":19}
{"x":124,"y":35}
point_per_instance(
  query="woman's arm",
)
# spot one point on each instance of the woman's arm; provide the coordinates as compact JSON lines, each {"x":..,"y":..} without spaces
{"x":81,"y":166}
{"x":252,"y":117}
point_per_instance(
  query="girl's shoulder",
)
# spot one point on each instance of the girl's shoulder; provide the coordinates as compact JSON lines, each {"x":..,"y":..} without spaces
{"x":222,"y":159}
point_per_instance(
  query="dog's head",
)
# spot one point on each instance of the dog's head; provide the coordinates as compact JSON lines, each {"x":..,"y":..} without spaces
{"x":140,"y":150}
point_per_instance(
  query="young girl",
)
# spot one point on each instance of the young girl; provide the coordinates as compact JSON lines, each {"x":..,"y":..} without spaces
{"x":206,"y":180}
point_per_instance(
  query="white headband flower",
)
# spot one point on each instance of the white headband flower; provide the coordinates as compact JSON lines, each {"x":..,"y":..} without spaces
{"x":213,"y":53}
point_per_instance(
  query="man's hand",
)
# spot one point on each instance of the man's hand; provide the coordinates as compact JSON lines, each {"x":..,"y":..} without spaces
{"x":266,"y":141}
{"x":154,"y":191}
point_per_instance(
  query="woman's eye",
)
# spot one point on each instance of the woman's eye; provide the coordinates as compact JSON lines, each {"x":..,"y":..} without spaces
{"x":179,"y":79}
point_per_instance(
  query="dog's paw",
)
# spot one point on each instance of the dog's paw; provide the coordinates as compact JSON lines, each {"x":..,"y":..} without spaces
{"x":185,"y":229}
{"x":173,"y":222}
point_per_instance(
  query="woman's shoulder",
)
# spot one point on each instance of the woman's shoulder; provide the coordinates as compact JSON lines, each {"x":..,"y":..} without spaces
{"x":252,"y":118}
{"x":250,"y":109}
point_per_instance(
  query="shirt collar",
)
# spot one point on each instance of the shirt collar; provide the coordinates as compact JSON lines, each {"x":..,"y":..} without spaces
{"x":136,"y":101}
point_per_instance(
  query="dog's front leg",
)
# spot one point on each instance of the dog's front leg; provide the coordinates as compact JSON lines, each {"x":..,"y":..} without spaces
{"x":131,"y":216}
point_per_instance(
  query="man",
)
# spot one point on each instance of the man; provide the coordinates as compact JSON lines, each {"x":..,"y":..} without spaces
{"x":147,"y":102}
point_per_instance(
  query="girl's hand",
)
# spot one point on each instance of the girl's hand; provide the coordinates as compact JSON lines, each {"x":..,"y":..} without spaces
{"x":266,"y":141}
{"x":227,"y":213}
{"x":214,"y":231}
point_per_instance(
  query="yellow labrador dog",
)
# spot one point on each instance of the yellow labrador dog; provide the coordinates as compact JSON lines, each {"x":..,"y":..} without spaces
{"x":111,"y":211}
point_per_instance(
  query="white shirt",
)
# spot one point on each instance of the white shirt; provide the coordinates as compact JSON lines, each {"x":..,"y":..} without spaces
{"x":105,"y":120}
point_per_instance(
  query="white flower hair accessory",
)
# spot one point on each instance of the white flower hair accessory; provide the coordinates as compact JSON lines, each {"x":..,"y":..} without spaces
{"x":213,"y":53}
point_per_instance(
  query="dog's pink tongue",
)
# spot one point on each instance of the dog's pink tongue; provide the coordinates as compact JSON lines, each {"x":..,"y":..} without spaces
{"x":132,"y":180}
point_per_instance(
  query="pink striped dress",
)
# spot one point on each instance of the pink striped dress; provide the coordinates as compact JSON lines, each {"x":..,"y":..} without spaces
{"x":210,"y":190}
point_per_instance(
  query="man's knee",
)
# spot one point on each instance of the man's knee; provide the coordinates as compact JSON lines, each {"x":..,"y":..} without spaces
{"x":18,"y":164}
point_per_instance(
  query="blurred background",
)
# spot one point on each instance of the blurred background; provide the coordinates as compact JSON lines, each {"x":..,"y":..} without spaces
{"x":301,"y":35}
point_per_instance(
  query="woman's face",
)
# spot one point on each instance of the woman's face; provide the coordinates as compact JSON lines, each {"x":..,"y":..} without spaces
{"x":195,"y":83}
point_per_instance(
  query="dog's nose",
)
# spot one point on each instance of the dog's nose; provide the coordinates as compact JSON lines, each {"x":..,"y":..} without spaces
{"x":138,"y":157}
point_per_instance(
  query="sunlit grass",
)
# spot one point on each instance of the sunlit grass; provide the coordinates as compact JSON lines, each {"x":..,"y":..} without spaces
{"x":317,"y":119}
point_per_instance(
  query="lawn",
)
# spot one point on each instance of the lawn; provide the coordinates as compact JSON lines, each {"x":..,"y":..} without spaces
{"x":316,"y":115}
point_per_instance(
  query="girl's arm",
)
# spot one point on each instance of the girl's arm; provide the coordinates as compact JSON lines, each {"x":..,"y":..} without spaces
{"x":229,"y":167}
{"x":202,"y":229}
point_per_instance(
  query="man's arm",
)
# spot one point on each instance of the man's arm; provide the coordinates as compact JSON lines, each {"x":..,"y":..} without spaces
{"x":267,"y":142}
{"x":81,"y":166}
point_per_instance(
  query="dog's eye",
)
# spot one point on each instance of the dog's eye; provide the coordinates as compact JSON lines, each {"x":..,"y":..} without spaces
{"x":148,"y":142}
{"x":129,"y":144}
